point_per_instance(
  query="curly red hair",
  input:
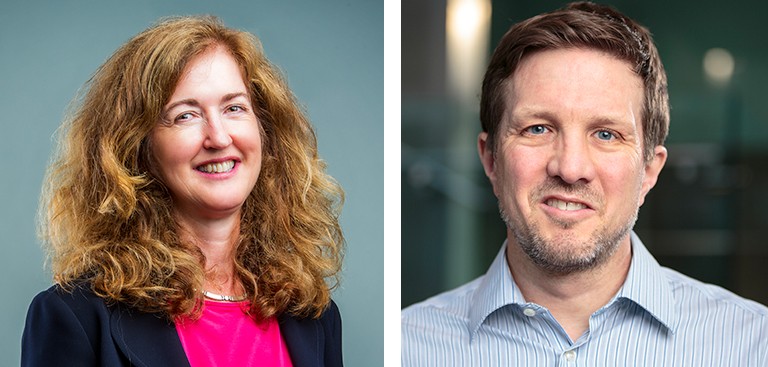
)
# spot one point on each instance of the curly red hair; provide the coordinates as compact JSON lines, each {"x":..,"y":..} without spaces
{"x":107,"y":219}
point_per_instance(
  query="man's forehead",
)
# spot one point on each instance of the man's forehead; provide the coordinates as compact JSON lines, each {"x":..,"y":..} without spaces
{"x":576,"y":65}
{"x":592,"y":82}
{"x":551,"y":53}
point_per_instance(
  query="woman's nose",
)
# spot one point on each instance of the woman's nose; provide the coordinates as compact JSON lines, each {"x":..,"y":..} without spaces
{"x":217,"y":135}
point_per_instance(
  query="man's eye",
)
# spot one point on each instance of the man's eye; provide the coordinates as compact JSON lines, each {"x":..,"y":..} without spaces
{"x":605,"y":135}
{"x":536,"y":130}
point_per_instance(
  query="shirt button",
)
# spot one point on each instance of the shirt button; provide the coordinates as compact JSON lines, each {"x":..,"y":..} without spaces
{"x":570,"y":356}
{"x":529,"y":312}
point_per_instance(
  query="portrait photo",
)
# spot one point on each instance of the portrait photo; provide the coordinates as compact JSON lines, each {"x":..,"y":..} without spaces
{"x":109,"y":98}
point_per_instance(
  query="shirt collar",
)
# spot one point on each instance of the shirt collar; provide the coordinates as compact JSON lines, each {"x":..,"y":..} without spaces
{"x":645,"y":285}
{"x":496,"y":290}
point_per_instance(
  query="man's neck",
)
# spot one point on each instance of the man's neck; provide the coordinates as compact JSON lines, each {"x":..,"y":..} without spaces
{"x":571,"y":298}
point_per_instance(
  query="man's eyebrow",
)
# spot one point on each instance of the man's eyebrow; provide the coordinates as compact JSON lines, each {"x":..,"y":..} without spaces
{"x":531,"y":113}
{"x":606,"y":120}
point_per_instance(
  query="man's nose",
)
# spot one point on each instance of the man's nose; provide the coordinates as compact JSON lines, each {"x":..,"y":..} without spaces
{"x":572,"y":160}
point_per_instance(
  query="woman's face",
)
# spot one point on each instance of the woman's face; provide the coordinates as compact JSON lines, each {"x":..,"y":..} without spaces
{"x":208,"y":149}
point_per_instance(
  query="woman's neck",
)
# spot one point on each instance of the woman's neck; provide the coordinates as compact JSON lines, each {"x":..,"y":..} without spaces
{"x":217,"y":240}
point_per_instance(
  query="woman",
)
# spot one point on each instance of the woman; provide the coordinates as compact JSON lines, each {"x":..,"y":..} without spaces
{"x":188,"y":217}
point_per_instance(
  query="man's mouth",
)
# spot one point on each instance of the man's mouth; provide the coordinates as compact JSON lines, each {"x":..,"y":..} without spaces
{"x":565,"y":205}
{"x":220,"y":167}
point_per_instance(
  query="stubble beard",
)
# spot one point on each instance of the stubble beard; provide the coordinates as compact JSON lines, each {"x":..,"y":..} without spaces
{"x":562,"y":255}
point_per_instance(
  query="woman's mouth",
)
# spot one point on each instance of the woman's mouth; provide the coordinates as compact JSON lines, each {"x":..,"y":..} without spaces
{"x":221,"y":167}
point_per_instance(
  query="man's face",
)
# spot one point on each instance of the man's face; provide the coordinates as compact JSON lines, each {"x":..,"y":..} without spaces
{"x":568,"y":167}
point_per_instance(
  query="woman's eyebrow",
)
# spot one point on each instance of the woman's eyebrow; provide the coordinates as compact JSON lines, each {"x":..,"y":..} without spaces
{"x":230,"y":96}
{"x":188,"y":101}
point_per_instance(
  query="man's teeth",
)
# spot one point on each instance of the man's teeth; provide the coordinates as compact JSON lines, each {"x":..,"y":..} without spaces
{"x":565,"y":205}
{"x":217,"y":167}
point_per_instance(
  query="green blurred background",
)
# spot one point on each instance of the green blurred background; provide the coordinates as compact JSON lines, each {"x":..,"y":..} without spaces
{"x":706,"y":216}
{"x":332,"y":55}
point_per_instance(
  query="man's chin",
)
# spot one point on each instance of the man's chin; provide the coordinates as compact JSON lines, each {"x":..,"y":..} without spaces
{"x":563,"y":260}
{"x":560,"y":251}
{"x":561,"y":230}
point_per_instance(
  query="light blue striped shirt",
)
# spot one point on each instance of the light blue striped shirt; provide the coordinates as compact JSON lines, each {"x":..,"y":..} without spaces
{"x":659,"y":317}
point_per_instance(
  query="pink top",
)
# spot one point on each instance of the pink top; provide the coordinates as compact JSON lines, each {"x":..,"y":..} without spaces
{"x":225,"y":336}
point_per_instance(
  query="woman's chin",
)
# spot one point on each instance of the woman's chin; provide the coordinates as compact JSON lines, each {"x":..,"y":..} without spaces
{"x":212,"y":209}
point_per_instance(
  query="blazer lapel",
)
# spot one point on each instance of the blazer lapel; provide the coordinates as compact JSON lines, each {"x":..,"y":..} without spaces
{"x":305,"y":340}
{"x":147,"y":339}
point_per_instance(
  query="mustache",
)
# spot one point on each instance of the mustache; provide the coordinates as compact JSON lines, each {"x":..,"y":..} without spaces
{"x":555,"y":185}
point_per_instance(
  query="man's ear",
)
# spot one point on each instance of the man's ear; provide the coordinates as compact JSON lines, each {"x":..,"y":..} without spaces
{"x":652,"y":170}
{"x":487,"y":158}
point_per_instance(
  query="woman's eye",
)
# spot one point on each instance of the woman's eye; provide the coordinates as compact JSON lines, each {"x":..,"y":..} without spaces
{"x":183,"y":117}
{"x":235,"y":108}
{"x":536,"y":130}
{"x":186,"y":117}
{"x":605,"y":135}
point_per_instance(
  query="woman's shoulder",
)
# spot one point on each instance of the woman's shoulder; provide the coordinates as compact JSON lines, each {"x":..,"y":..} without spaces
{"x":76,"y":301}
{"x":72,"y":323}
{"x":77,"y":294}
{"x":329,"y":317}
{"x":64,"y":322}
{"x":310,"y":337}
{"x":331,"y":313}
{"x":332,"y":309}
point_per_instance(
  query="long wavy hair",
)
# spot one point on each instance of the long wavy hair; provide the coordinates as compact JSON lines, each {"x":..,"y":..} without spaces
{"x":107,"y":220}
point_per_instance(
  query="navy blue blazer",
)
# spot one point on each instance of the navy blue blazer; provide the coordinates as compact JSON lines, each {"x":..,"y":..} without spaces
{"x":79,"y":329}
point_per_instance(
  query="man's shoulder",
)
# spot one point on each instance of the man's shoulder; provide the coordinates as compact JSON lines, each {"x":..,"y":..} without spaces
{"x":705,"y":296}
{"x":433,"y":330}
{"x":453,"y":303}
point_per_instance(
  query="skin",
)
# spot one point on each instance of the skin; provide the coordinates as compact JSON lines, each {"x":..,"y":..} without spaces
{"x":571,"y":136}
{"x":209,"y":119}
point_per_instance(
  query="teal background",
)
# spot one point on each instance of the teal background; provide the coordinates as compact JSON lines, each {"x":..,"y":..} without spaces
{"x":331,"y":53}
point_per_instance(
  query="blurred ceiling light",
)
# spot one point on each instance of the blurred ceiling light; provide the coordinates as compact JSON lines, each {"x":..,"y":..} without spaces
{"x":718,"y":65}
{"x":468,"y":31}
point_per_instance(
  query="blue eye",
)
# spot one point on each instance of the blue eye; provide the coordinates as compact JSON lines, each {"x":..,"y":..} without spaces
{"x":184,"y":116}
{"x":605,"y":135}
{"x":187,"y":117}
{"x":536,"y":130}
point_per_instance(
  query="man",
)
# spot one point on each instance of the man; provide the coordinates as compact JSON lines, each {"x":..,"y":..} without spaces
{"x":574,"y":110}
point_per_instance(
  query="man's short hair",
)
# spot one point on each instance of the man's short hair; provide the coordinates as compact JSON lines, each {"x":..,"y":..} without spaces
{"x":580,"y":25}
